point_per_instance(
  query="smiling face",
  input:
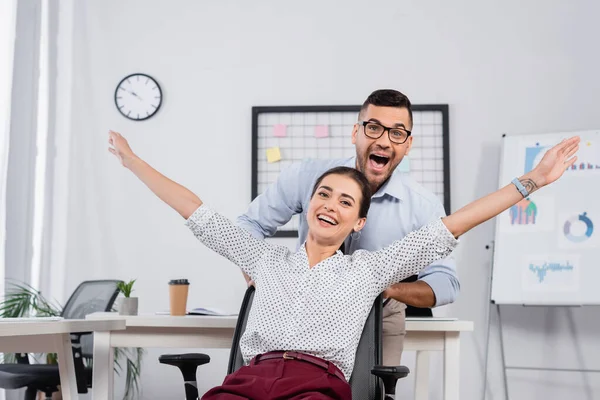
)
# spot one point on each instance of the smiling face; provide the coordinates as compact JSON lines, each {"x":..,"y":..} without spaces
{"x":334,"y":209}
{"x":377,"y":158}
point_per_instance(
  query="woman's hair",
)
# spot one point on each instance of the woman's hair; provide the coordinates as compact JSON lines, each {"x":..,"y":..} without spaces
{"x":359,"y":178}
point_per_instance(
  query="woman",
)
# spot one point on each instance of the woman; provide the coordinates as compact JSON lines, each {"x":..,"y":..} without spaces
{"x":300,"y":339}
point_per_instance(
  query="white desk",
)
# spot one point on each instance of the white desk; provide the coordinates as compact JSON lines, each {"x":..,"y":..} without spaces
{"x":164,"y":331}
{"x":426,"y":336}
{"x":47,"y":336}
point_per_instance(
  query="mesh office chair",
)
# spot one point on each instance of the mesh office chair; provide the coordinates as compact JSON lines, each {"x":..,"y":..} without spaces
{"x":367,"y":376}
{"x":89,"y":297}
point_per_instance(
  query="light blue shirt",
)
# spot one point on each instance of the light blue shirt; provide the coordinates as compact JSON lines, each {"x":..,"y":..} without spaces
{"x":400,"y":206}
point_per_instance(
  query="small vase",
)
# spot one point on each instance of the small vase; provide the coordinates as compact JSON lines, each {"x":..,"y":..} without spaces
{"x":128,"y":306}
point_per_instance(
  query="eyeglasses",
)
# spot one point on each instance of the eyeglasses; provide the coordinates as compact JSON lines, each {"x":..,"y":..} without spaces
{"x":375,"y":130}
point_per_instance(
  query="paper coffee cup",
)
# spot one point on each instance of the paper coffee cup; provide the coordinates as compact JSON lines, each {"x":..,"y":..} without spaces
{"x":178,"y":294}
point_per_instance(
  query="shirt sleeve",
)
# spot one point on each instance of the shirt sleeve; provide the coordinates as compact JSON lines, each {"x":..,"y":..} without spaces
{"x":441,"y":275}
{"x":232,"y":242}
{"x":406,"y":257}
{"x":276,"y":205}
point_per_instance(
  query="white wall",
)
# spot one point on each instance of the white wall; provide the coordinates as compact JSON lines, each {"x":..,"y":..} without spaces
{"x":503,"y":67}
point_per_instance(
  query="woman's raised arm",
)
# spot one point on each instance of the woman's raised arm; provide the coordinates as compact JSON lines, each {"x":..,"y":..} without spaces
{"x":556,"y":161}
{"x":175,"y":195}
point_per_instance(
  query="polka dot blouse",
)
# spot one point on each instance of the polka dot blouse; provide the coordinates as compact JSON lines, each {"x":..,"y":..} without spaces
{"x":321,"y":310}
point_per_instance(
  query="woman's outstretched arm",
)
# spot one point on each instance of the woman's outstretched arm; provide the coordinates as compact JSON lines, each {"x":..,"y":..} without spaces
{"x":175,"y":195}
{"x":214,"y":230}
{"x":437,"y":239}
{"x":556,"y":161}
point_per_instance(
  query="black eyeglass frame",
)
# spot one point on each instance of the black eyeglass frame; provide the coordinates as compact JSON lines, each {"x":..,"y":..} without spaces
{"x":385,"y":128}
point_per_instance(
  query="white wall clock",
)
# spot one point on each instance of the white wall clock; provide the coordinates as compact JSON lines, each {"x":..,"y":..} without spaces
{"x":138,"y":96}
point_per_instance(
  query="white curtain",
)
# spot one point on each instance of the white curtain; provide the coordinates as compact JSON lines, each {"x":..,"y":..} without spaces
{"x":8,"y":13}
{"x":54,"y":263}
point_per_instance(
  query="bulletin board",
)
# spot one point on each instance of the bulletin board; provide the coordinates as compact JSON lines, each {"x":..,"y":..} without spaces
{"x":282,"y":135}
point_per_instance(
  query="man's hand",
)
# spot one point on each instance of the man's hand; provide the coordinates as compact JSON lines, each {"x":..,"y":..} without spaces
{"x":416,"y":294}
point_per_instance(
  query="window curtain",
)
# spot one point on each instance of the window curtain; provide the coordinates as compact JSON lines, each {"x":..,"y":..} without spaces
{"x":8,"y":12}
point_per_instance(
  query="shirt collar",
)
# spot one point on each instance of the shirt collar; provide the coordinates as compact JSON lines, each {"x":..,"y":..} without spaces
{"x":394,"y":186}
{"x":302,"y":251}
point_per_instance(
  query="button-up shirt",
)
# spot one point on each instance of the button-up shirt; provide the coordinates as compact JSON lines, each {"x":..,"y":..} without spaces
{"x":400,"y":206}
{"x":321,"y":310}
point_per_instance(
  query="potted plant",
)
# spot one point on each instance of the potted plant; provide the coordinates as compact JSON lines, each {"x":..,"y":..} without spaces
{"x":22,"y":300}
{"x":128,"y":305}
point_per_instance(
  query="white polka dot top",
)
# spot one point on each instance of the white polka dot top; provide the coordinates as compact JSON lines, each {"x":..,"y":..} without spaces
{"x":321,"y":310}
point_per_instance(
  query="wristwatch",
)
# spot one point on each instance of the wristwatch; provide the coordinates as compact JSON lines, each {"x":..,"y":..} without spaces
{"x":520,"y":187}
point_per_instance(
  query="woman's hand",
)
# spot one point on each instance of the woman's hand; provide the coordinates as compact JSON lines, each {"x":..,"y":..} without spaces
{"x":120,"y":148}
{"x":556,"y":161}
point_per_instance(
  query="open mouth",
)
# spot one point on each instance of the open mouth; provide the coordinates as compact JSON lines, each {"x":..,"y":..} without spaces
{"x":378,"y":161}
{"x":327,"y":219}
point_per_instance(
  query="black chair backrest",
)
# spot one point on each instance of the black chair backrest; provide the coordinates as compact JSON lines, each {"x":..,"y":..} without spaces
{"x":90,"y":297}
{"x":235,"y":356}
{"x":364,"y":384}
{"x":368,"y":354}
{"x":87,"y":298}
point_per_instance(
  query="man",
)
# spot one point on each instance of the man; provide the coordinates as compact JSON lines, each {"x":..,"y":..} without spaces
{"x":398,"y":206}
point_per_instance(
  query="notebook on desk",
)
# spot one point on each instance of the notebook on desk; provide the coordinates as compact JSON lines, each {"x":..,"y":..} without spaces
{"x":213,"y":312}
{"x":209,"y":311}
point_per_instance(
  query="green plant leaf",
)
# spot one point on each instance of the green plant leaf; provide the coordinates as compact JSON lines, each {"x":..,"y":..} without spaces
{"x":126,"y":288}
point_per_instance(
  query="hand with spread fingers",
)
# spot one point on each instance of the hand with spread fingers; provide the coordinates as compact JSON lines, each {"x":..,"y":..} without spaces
{"x":120,"y":148}
{"x":555,"y":162}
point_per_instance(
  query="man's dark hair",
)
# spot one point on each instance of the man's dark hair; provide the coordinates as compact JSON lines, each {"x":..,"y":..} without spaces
{"x":359,"y":178}
{"x":388,"y":98}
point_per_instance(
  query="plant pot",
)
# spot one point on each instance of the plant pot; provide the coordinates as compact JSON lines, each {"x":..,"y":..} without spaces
{"x":128,"y":306}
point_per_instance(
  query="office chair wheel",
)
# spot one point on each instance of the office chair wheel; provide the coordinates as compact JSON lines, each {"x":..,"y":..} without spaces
{"x":187,"y":364}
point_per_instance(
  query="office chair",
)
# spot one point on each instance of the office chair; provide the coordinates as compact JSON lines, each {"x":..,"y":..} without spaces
{"x":367,"y":376}
{"x":88,"y":297}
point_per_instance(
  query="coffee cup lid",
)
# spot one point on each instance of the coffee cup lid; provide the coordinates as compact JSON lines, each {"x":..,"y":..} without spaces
{"x":179,"y":282}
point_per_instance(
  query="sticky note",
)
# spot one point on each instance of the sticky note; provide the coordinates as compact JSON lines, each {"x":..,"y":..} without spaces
{"x":273,"y":154}
{"x":321,"y":131}
{"x":279,"y":130}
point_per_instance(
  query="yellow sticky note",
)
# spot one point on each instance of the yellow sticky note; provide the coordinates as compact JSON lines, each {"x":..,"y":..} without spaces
{"x":273,"y":154}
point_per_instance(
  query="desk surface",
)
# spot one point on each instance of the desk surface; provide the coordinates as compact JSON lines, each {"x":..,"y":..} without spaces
{"x":205,"y":321}
{"x":32,"y":327}
{"x":168,"y":321}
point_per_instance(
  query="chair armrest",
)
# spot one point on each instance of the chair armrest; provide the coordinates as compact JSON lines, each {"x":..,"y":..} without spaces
{"x":187,"y":363}
{"x":390,"y":375}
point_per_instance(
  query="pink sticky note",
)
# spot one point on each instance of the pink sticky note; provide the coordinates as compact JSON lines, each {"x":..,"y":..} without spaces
{"x":279,"y":130}
{"x":321,"y":131}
